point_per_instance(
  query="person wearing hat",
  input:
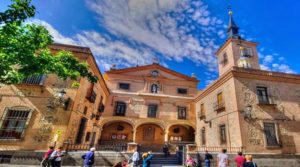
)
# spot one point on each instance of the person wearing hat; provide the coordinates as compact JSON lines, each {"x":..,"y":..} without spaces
{"x":147,"y":159}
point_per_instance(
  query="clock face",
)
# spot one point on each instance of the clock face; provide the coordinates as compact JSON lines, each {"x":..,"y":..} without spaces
{"x":154,"y":73}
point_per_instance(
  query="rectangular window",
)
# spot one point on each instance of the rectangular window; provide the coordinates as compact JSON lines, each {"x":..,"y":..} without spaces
{"x":13,"y":124}
{"x":202,"y":110}
{"x":224,"y":59}
{"x":181,"y":112}
{"x":91,"y":94}
{"x":34,"y":80}
{"x":87,"y":136}
{"x":262,"y":94}
{"x":270,"y":133}
{"x":124,"y":86}
{"x":81,"y":130}
{"x":152,"y":109}
{"x":246,"y":52}
{"x":120,"y":109}
{"x":223,"y":138}
{"x":181,"y":91}
{"x":203,"y":136}
{"x":219,"y":106}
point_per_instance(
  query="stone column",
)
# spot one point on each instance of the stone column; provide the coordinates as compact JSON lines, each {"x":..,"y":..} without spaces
{"x":166,"y":133}
{"x":134,"y":135}
{"x":98,"y":137}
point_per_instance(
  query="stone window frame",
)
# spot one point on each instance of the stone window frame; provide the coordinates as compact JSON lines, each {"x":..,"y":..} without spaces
{"x":125,"y":83}
{"x":226,"y":134}
{"x":186,"y":112}
{"x":276,"y":133}
{"x":21,"y":108}
{"x":203,"y":137}
{"x":156,"y":112}
{"x":115,"y":107}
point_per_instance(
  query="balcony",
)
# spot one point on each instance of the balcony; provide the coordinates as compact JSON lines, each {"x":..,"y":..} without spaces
{"x":219,"y":106}
{"x":201,"y":115}
{"x":92,"y":97}
{"x":266,"y":100}
{"x":34,"y":80}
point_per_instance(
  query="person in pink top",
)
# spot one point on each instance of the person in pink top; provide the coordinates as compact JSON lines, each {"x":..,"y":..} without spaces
{"x":239,"y":159}
{"x":189,"y":161}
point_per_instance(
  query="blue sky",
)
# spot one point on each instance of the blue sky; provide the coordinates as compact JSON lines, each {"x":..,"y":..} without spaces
{"x":182,"y":34}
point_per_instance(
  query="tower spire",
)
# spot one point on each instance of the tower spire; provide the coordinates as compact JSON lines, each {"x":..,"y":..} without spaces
{"x":233,"y":29}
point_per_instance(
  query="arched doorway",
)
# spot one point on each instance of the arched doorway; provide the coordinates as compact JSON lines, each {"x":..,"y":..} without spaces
{"x":116,"y":133}
{"x":181,"y":134}
{"x":150,"y":137}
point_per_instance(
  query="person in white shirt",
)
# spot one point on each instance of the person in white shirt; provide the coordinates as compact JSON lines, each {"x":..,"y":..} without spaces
{"x":56,"y":157}
{"x":222,"y":159}
{"x":135,"y":158}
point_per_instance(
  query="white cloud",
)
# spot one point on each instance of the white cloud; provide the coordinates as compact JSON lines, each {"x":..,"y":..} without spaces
{"x":163,"y":27}
{"x":274,"y":62}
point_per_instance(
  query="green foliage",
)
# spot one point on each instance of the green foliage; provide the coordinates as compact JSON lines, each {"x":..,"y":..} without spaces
{"x":24,"y":52}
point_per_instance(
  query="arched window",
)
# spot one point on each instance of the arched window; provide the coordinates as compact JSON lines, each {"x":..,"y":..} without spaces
{"x":154,"y":88}
{"x":120,"y":109}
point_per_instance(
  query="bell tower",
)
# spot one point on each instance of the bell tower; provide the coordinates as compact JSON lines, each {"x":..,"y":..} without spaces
{"x":236,"y":51}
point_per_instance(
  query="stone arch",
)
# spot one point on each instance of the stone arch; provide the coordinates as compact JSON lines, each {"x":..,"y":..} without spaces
{"x":116,"y":119}
{"x":150,"y":134}
{"x":117,"y":131}
{"x":181,"y":133}
{"x":154,"y":122}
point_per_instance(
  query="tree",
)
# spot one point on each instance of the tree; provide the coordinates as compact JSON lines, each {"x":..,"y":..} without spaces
{"x":24,"y":52}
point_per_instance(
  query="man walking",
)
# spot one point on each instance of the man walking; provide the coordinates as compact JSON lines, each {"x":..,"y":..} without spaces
{"x":222,"y":159}
{"x":207,"y":157}
{"x":135,"y":158}
{"x":89,"y":158}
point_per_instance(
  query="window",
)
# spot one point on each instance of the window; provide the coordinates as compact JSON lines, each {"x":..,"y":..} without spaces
{"x":87,"y":136}
{"x":85,"y":110}
{"x":124,"y":86}
{"x":13,"y":123}
{"x":219,"y":106}
{"x":91,"y":94}
{"x":224,"y":59}
{"x":101,"y":106}
{"x":152,"y":108}
{"x":181,"y":91}
{"x":81,"y":130}
{"x":262,"y":95}
{"x":246,"y":52}
{"x":270,"y":133}
{"x":34,"y":80}
{"x":202,"y":110}
{"x":223,"y":138}
{"x":203,"y":136}
{"x":181,"y":112}
{"x":120,"y":109}
{"x":154,"y":88}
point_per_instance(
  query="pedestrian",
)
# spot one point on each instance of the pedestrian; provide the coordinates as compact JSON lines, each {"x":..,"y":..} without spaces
{"x":179,"y":155}
{"x":239,"y":159}
{"x":166,"y":150}
{"x":189,"y":162}
{"x":46,"y":161}
{"x":135,"y":158}
{"x":208,"y":157}
{"x":249,"y":162}
{"x":147,"y":159}
{"x":56,"y":157}
{"x":222,"y":159}
{"x":199,"y":160}
{"x":89,"y":158}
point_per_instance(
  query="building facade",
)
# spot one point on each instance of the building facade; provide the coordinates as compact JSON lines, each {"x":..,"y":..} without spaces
{"x":149,"y":105}
{"x":44,"y":110}
{"x":247,"y":108}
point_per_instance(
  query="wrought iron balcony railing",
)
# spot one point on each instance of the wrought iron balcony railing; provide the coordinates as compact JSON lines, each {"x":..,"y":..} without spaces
{"x":219,"y":106}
